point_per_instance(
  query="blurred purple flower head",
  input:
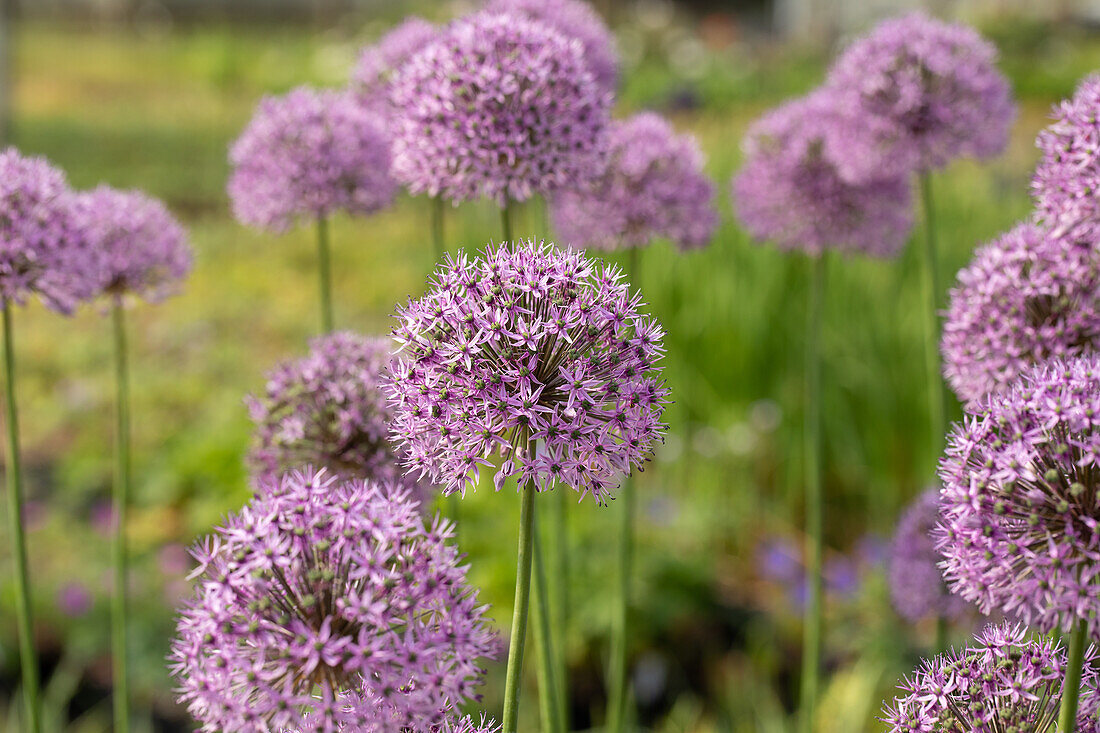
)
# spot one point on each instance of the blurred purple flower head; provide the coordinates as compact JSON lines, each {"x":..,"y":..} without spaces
{"x":74,"y":600}
{"x":500,"y":107}
{"x":1018,"y":524}
{"x":370,"y":80}
{"x":807,"y":183}
{"x":102,"y":517}
{"x":652,"y":187}
{"x":1005,"y":681}
{"x":528,"y":343}
{"x":1025,"y":297}
{"x":309,"y":154}
{"x":142,"y":248}
{"x":935,"y":84}
{"x":326,"y":604}
{"x":42,"y":251}
{"x":780,"y":559}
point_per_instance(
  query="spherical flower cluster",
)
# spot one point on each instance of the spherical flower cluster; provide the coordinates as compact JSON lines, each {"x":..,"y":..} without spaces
{"x":322,"y":603}
{"x":573,"y":19}
{"x":500,"y":107}
{"x":916,"y":583}
{"x":378,"y":62}
{"x":42,"y":251}
{"x":1026,"y":297}
{"x":309,"y":154}
{"x":528,"y":344}
{"x":1019,"y":528}
{"x":808,"y":183}
{"x":935,"y":83}
{"x":653,"y":186}
{"x":142,"y":248}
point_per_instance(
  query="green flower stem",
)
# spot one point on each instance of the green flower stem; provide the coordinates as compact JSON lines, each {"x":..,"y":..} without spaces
{"x":23,"y":620}
{"x":549,"y":704}
{"x":324,"y":265}
{"x":931,"y":281}
{"x":1071,"y":688}
{"x":118,"y":546}
{"x":437,"y":228}
{"x":514,"y":671}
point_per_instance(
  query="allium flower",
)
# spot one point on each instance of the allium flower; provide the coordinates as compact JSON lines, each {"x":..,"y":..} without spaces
{"x":41,"y":249}
{"x":378,"y":62}
{"x":806,"y":183}
{"x":1027,"y":296}
{"x":935,"y":83}
{"x":306,"y":155}
{"x":500,"y":107}
{"x":528,"y":343}
{"x":1006,"y":681}
{"x":916,"y":583}
{"x":142,"y":248}
{"x":653,"y":186}
{"x":1019,"y":528}
{"x":323,"y":603}
{"x":573,"y":19}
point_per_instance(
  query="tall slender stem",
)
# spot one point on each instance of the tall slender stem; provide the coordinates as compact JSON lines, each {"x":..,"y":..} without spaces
{"x":23,"y":621}
{"x":931,"y":282}
{"x":1067,"y":716}
{"x":121,"y":501}
{"x":506,"y":221}
{"x":438,"y":241}
{"x":549,"y":701}
{"x":514,"y":671}
{"x":324,"y":266}
{"x":812,"y":622}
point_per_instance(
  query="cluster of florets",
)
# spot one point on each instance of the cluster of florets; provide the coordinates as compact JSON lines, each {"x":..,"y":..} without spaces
{"x":651,"y":187}
{"x":916,"y":583}
{"x":1019,"y":527}
{"x":1006,"y":681}
{"x":378,"y":63}
{"x":141,"y":248}
{"x":499,"y":107}
{"x":328,"y":604}
{"x":937,"y":86}
{"x":528,"y":345}
{"x":309,"y":154}
{"x":1026,"y":297}
{"x":809,"y":183}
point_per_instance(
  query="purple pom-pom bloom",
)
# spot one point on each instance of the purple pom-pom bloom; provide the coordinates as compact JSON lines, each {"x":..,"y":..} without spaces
{"x":142,"y":248}
{"x":1026,"y":297}
{"x":379,"y":62}
{"x":309,"y":154}
{"x":500,"y":107}
{"x":937,"y":86}
{"x":528,"y":343}
{"x":1019,"y":531}
{"x":916,"y":583}
{"x":652,"y":186}
{"x":1006,"y":681}
{"x":323,"y":603}
{"x":42,"y":251}
{"x":807,"y":184}
{"x":573,"y":19}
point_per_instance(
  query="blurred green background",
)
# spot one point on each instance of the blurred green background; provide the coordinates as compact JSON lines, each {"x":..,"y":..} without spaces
{"x":153,"y":105}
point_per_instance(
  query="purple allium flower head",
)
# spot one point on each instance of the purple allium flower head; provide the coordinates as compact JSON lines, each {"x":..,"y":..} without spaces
{"x":937,"y":86}
{"x":806,"y":183}
{"x":469,"y":725}
{"x":74,"y":600}
{"x":42,"y":251}
{"x":379,"y":62}
{"x":309,"y":154}
{"x":500,"y":107}
{"x":1005,"y":681}
{"x":1019,"y":529}
{"x":1026,"y":297}
{"x":653,"y":186}
{"x":322,"y":603}
{"x":142,"y":248}
{"x":573,"y":19}
{"x":917,"y":588}
{"x":526,"y":344}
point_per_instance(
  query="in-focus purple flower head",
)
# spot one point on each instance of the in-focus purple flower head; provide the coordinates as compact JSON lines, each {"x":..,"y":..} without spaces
{"x":1006,"y":680}
{"x":934,"y":84}
{"x":309,"y":154}
{"x":499,"y":107}
{"x":807,"y":183}
{"x":917,"y":588}
{"x":573,"y":19}
{"x":528,"y":344}
{"x":651,"y":187}
{"x":142,"y":248}
{"x":1026,"y":296}
{"x":1019,"y":529}
{"x":42,"y":251}
{"x":370,"y":80}
{"x":327,"y":604}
